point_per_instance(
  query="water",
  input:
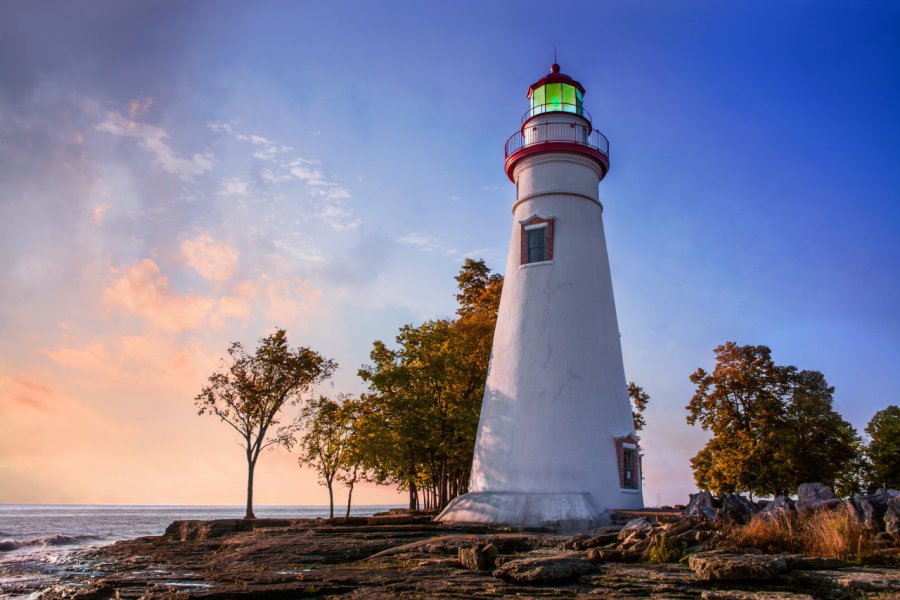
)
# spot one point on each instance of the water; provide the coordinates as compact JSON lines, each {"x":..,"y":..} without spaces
{"x":37,"y":540}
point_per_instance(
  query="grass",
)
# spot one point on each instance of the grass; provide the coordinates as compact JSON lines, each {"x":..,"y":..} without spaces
{"x":833,"y":534}
{"x":665,"y":550}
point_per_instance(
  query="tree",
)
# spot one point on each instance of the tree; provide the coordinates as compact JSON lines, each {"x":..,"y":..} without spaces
{"x":327,"y":428}
{"x":817,"y":444}
{"x":639,"y":401}
{"x":773,"y":427}
{"x":249,"y":391}
{"x":427,"y":391}
{"x":883,"y":450}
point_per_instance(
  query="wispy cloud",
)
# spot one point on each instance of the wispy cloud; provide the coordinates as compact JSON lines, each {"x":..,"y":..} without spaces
{"x":423,"y":242}
{"x":155,"y":140}
{"x":233,"y":186}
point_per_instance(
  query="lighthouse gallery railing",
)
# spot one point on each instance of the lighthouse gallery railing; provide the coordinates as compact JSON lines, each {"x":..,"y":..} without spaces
{"x":542,"y":133}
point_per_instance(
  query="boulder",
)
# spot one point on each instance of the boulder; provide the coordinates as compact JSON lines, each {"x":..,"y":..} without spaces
{"x":598,"y":555}
{"x":892,"y":517}
{"x":478,"y":558}
{"x":872,"y":509}
{"x":736,"y":508}
{"x":546,"y":569}
{"x":639,"y":527}
{"x":584,"y":542}
{"x":780,"y":507}
{"x":703,"y":505}
{"x":798,"y":562}
{"x":815,"y":496}
{"x":714,"y":566}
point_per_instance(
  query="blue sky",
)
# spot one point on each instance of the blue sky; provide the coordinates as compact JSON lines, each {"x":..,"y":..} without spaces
{"x":174,"y":176}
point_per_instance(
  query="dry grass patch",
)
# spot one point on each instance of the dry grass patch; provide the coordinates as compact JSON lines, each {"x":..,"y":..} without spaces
{"x":830,"y":533}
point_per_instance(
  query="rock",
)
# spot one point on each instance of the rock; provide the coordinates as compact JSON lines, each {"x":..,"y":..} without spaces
{"x":738,"y":595}
{"x":798,"y":562}
{"x":872,"y":509}
{"x":892,"y":517}
{"x":736,"y":508}
{"x":714,"y":566}
{"x":684,"y":525}
{"x":779,"y":508}
{"x":814,"y":496}
{"x":636,"y":528}
{"x":702,"y":505}
{"x":598,"y":555}
{"x":585,"y":542}
{"x":544,"y":570}
{"x":478,"y":558}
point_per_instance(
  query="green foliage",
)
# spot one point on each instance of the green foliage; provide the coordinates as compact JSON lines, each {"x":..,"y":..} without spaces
{"x":773,"y":427}
{"x":639,"y":401}
{"x":422,"y":414}
{"x":326,"y":442}
{"x":249,"y":391}
{"x":883,"y":450}
{"x":664,"y":550}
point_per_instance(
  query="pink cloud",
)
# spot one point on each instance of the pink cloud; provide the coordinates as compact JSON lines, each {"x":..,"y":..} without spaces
{"x":213,"y":260}
{"x":143,"y":291}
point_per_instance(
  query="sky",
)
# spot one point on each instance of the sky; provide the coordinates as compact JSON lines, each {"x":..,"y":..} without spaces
{"x":175,"y":176}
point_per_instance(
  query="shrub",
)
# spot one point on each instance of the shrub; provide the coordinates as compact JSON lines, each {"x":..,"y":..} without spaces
{"x":830,"y":533}
{"x":664,"y":550}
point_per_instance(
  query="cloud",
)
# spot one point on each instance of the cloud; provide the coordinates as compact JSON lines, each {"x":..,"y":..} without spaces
{"x":143,"y":291}
{"x":155,"y":140}
{"x":219,"y":127}
{"x":233,"y":186}
{"x":137,"y":108}
{"x":256,"y":140}
{"x":294,"y":300}
{"x":97,"y":213}
{"x":269,"y":176}
{"x":423,"y":242}
{"x":338,"y":217}
{"x":216,"y":261}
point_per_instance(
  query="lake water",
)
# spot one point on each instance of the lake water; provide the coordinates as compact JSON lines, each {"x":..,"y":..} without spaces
{"x":36,"y":540}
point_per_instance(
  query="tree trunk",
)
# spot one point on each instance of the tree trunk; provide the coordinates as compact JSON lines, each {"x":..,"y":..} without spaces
{"x":442,"y":497}
{"x":251,"y":464}
{"x":349,"y":498}
{"x":412,"y":495}
{"x":330,"y":501}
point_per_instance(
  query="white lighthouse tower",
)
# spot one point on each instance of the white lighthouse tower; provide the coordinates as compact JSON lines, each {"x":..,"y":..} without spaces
{"x":556,"y":443}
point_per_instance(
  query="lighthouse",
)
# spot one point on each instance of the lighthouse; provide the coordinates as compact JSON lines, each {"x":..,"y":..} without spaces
{"x":556,"y":444}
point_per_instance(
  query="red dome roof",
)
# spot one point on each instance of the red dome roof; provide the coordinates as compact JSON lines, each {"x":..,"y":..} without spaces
{"x":554,"y":77}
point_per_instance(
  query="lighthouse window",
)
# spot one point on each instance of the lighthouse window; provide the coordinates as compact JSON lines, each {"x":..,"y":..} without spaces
{"x":568,"y":98}
{"x":560,"y":97}
{"x":537,"y":244}
{"x":629,"y":468}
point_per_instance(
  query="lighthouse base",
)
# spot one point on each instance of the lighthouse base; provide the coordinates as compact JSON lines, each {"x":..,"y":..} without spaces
{"x":559,"y":511}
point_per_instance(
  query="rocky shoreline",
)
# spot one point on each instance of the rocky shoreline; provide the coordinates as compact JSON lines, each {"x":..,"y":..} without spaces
{"x":410,"y":556}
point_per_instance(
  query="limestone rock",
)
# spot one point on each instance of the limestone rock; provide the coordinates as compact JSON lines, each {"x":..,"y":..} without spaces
{"x":738,"y":595}
{"x":599,"y":555}
{"x":815,"y":496}
{"x":478,"y":558}
{"x":703,"y":505}
{"x":736,"y":508}
{"x":714,"y":566}
{"x":798,"y":562}
{"x":635,"y":529}
{"x":892,"y":517}
{"x":780,"y":507}
{"x":544,"y":569}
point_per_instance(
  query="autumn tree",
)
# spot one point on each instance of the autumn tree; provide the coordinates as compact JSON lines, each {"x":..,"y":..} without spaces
{"x":327,"y":427}
{"x":427,"y":391}
{"x":773,"y":427}
{"x":250,"y":391}
{"x":639,"y":401}
{"x":883,"y":449}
